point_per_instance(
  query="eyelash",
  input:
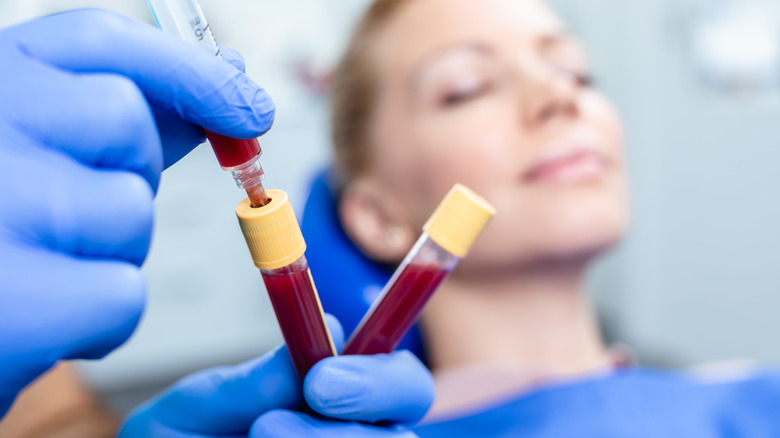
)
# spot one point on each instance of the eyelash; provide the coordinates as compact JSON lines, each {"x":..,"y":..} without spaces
{"x":585,"y":80}
{"x":458,"y":97}
{"x":455,"y":98}
{"x":582,"y":79}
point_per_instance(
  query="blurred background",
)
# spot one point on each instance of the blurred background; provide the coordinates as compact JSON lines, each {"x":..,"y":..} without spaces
{"x":696,"y":281}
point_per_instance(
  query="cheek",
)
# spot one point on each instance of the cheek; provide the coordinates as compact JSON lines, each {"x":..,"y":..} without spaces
{"x":478,"y":150}
{"x":555,"y":223}
{"x":543,"y":223}
{"x":485,"y":150}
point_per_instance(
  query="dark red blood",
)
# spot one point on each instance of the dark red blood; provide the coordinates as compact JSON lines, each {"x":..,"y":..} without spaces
{"x":399,"y":308}
{"x":300,"y":318}
{"x":232,"y":152}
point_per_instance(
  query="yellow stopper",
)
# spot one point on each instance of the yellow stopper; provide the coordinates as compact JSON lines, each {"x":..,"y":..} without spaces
{"x":272,"y":232}
{"x":459,"y":219}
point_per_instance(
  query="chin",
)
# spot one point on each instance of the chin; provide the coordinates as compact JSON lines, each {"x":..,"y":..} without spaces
{"x":582,"y":232}
{"x":578,"y":246}
{"x":561,"y":237}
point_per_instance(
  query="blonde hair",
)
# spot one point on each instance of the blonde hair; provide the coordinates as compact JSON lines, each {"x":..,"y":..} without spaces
{"x":354,"y":93}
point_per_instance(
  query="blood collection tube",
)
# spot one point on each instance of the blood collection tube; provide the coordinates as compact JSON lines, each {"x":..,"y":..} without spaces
{"x":240,"y":157}
{"x":446,"y":238}
{"x":277,"y":247}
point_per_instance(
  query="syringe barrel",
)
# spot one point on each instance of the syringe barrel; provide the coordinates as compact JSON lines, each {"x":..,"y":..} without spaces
{"x":184,"y":18}
{"x":399,"y":305}
{"x":233,"y":152}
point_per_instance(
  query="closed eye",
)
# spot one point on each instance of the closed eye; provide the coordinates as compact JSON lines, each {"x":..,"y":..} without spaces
{"x":585,"y":80}
{"x":581,"y":78}
{"x":456,"y":98}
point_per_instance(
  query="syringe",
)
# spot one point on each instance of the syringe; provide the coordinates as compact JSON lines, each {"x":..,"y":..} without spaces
{"x":268,"y":222}
{"x":239,"y":157}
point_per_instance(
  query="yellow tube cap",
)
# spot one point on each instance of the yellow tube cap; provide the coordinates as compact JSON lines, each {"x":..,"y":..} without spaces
{"x":459,"y":219}
{"x":272,"y":232}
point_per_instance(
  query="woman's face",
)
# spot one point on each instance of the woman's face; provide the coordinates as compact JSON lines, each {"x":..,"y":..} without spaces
{"x":495,"y":94}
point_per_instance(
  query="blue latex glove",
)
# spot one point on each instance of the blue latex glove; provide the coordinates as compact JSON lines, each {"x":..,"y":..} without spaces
{"x":92,"y":107}
{"x":263,"y":398}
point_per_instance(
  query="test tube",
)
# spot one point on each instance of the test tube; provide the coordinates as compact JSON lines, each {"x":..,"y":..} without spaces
{"x":240,"y":157}
{"x":277,"y":247}
{"x":447,"y":237}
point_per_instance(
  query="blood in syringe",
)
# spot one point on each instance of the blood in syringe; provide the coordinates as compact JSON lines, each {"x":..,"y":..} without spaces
{"x":232,"y":152}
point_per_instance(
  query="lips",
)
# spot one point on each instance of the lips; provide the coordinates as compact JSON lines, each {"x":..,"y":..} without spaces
{"x":567,"y":164}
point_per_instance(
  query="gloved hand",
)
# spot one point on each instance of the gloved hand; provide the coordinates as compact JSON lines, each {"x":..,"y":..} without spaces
{"x":92,"y":107}
{"x":263,"y":399}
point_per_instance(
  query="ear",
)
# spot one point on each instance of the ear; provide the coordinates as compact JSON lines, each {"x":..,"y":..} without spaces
{"x":376,"y":221}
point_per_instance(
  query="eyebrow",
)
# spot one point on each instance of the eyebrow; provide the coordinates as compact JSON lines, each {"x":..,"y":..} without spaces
{"x":550,"y":40}
{"x":557,"y":37}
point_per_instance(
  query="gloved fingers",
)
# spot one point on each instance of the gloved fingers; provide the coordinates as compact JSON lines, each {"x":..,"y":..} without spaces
{"x":81,"y":211}
{"x":174,"y":75}
{"x":110,"y":125}
{"x":386,"y":387}
{"x":233,"y":57}
{"x":67,"y":308}
{"x":227,"y":400}
{"x":283,"y":423}
{"x":178,"y":135}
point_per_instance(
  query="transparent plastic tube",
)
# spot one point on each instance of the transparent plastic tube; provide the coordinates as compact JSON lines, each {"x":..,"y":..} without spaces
{"x":184,"y":18}
{"x":299,"y":313}
{"x":276,"y":244}
{"x":447,"y":237}
{"x":240,"y":157}
{"x":399,"y":305}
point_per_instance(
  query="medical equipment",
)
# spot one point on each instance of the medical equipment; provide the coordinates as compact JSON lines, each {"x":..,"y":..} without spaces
{"x":263,"y":398}
{"x":240,"y":157}
{"x":79,"y":92}
{"x":268,"y":222}
{"x":277,"y":247}
{"x":446,"y":238}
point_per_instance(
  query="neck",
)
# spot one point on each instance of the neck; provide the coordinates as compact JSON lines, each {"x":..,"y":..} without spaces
{"x":534,"y":320}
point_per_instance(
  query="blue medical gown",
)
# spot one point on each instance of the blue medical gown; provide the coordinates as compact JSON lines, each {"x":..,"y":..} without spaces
{"x":632,"y":403}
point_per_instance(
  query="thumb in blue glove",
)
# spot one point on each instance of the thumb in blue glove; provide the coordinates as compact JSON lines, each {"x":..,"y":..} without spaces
{"x":263,"y":398}
{"x":93,"y":106}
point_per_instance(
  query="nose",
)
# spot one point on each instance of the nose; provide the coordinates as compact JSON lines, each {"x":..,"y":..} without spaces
{"x":548,"y":96}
